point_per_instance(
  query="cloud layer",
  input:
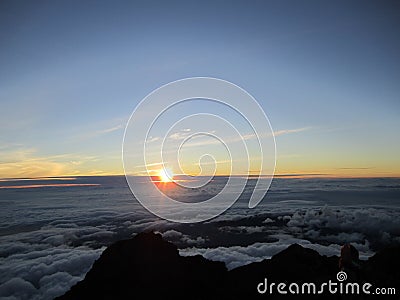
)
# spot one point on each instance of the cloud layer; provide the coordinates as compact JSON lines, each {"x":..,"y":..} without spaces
{"x":49,"y":237}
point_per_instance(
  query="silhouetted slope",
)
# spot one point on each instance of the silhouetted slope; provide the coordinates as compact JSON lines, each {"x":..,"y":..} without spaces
{"x":146,"y":267}
{"x":294,"y":264}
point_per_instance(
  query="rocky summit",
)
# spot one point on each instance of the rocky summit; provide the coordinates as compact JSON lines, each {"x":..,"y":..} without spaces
{"x":148,"y":267}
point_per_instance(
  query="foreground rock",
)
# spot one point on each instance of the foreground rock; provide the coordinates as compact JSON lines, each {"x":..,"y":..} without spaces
{"x":146,"y":267}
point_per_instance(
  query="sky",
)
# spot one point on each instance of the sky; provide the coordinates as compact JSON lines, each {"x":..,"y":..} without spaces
{"x":326,"y":74}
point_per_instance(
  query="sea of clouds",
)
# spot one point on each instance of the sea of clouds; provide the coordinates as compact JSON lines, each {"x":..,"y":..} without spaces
{"x":49,"y":242}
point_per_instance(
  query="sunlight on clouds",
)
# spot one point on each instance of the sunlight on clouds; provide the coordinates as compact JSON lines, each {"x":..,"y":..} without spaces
{"x":18,"y":162}
{"x":32,"y":168}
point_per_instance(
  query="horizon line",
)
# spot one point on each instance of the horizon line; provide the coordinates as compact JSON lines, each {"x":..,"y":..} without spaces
{"x":289,"y":175}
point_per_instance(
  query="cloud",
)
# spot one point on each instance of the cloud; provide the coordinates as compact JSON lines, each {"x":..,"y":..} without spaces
{"x":237,"y":256}
{"x":43,"y":263}
{"x":108,"y":130}
{"x":180,"y":135}
{"x":40,"y":258}
{"x":243,"y":229}
{"x":25,"y":162}
{"x":175,"y":236}
{"x":17,"y":288}
{"x":198,"y":141}
{"x":363,"y":220}
{"x":244,"y":137}
{"x":152,"y":139}
{"x":56,"y":284}
{"x":268,"y":221}
{"x":97,"y":129}
{"x":101,"y":132}
{"x":289,"y":131}
{"x":32,"y":167}
{"x":45,"y":274}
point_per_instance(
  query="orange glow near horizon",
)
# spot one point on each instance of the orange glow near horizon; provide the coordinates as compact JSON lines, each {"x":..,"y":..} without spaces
{"x":31,"y":186}
{"x":166,"y":175}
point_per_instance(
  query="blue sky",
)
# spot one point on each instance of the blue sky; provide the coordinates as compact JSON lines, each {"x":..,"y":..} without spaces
{"x":326,"y":74}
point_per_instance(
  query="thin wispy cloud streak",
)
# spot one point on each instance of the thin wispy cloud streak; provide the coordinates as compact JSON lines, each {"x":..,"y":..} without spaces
{"x":211,"y":141}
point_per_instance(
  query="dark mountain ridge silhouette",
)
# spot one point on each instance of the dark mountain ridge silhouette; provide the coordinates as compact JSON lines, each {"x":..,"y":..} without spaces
{"x":148,"y":267}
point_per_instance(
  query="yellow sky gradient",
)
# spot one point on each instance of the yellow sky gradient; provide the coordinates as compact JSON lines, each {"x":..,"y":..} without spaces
{"x":31,"y":166}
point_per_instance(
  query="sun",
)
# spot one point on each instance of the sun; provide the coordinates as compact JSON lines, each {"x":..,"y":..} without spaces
{"x":166,"y":175}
